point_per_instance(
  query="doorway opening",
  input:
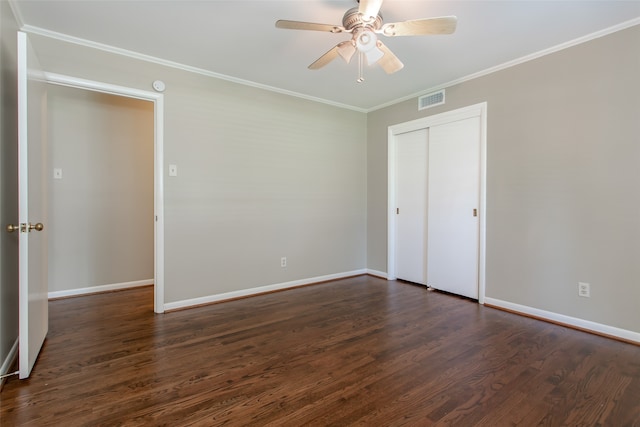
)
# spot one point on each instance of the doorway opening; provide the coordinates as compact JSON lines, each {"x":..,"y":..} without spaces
{"x":158,"y":125}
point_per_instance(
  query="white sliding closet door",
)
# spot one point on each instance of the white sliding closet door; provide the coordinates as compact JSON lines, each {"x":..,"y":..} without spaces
{"x":411,"y":243}
{"x":453,"y":202}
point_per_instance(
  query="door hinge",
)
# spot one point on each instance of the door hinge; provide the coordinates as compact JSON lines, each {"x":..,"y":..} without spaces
{"x":475,"y":212}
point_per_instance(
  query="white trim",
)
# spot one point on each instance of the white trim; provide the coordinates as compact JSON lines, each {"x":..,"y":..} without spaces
{"x":148,"y":58}
{"x":158,"y":186}
{"x":259,"y":290}
{"x":482,"y":254}
{"x":477,"y":110}
{"x":99,"y":288}
{"x":79,"y":83}
{"x":9,"y":361}
{"x":377,"y":273}
{"x":514,"y":62}
{"x":566,"y":320}
{"x":158,"y":123}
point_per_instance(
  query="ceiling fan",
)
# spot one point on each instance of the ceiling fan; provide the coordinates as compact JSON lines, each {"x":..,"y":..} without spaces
{"x":364,"y":23}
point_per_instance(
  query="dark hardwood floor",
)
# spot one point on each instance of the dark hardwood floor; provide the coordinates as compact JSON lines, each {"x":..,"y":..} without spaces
{"x":359,"y":351}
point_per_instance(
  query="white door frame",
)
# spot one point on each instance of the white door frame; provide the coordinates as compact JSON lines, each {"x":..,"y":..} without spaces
{"x":477,"y":110}
{"x":158,"y":186}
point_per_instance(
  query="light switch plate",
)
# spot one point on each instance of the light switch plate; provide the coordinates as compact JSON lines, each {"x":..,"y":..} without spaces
{"x":57,"y":173}
{"x":173,"y":170}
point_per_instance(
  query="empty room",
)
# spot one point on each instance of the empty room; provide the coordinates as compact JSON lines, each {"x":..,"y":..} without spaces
{"x":339,"y":212}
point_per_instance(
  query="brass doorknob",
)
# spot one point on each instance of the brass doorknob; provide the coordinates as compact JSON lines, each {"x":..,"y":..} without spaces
{"x":23,"y":227}
{"x":38,"y":227}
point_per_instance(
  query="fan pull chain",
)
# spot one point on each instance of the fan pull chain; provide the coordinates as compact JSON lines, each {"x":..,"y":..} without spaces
{"x":360,"y":67}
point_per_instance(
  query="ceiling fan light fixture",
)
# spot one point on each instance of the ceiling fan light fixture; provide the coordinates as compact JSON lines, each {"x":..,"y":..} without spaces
{"x":346,"y":50}
{"x":367,"y":43}
{"x":366,"y":40}
{"x":373,"y":56}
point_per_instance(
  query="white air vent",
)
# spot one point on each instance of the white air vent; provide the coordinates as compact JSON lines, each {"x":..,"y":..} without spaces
{"x":431,"y":100}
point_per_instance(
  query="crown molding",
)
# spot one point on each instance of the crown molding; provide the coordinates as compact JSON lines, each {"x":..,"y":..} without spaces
{"x":148,"y":58}
{"x":518,"y":61}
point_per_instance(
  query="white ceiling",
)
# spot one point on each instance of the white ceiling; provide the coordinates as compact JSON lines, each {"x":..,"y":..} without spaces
{"x":238,"y":38}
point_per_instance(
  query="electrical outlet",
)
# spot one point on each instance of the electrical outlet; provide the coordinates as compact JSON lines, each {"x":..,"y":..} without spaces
{"x":584,"y":290}
{"x":283,"y":262}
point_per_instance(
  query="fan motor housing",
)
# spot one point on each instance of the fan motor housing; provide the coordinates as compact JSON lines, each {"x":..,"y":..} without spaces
{"x":352,"y":19}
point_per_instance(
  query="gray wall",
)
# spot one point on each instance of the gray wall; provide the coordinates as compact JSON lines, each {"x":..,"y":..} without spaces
{"x":8,"y":179}
{"x":260,"y":176}
{"x":563,"y":179}
{"x":101,"y":211}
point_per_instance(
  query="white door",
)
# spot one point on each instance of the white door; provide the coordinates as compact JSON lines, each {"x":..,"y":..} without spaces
{"x":33,"y":308}
{"x":453,"y":202}
{"x":411,"y":243}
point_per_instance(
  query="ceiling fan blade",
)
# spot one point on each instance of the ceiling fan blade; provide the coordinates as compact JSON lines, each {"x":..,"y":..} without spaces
{"x":419,"y":27}
{"x":326,"y":58}
{"x":298,"y":25}
{"x":389,"y":62}
{"x":369,"y":9}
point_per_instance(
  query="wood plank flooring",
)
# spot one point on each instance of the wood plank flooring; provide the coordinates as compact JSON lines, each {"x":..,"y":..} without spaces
{"x":358,"y":351}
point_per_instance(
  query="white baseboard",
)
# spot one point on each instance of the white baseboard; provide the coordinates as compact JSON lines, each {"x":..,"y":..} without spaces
{"x":380,"y":274}
{"x":100,"y":288}
{"x":575,"y":322}
{"x":8,"y":362}
{"x":259,"y":290}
